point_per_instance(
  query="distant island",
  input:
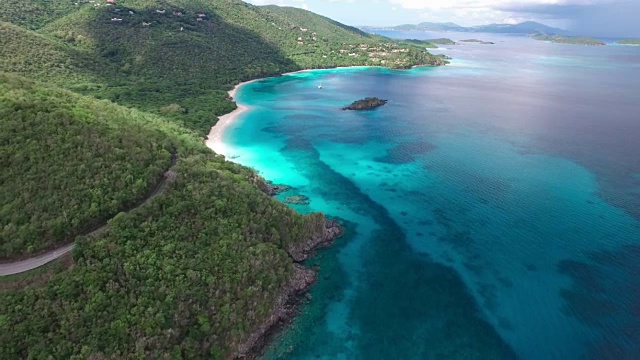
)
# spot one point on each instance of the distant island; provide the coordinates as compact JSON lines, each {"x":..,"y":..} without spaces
{"x":369,"y":103}
{"x":634,"y":42}
{"x":528,"y":27}
{"x":477,"y":41}
{"x":568,"y":40}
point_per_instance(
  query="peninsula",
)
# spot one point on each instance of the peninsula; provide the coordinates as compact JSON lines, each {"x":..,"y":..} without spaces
{"x":441,"y":41}
{"x":369,"y":103}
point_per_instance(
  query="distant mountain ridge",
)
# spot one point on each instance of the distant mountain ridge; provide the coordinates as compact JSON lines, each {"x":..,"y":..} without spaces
{"x":528,"y":27}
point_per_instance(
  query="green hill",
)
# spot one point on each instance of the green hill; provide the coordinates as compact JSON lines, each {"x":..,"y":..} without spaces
{"x":33,"y":14}
{"x":72,"y":163}
{"x":150,"y":55}
{"x":37,"y":56}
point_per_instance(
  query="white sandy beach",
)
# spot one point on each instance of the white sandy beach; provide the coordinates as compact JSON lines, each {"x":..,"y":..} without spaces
{"x":214,"y":140}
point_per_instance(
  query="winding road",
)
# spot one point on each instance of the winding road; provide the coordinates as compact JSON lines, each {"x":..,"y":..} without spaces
{"x":35,"y":262}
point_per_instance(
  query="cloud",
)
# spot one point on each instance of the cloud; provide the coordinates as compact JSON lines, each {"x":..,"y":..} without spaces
{"x":585,"y":17}
{"x":487,"y":4}
{"x":563,"y":13}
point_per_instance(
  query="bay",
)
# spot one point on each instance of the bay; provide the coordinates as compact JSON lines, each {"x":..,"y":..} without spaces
{"x":492,"y":206}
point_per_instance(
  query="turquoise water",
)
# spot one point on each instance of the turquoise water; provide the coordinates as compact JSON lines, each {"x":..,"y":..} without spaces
{"x":492,"y":205}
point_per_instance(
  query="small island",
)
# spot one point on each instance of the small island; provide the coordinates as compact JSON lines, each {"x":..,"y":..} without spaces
{"x":632,"y":42}
{"x":369,"y":103}
{"x":568,"y":40}
{"x":477,"y":41}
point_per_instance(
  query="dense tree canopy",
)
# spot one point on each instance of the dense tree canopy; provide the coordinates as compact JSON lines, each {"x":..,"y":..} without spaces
{"x":187,"y":276}
{"x":69,"y":164}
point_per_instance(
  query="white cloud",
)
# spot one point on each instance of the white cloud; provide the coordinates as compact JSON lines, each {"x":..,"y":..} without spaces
{"x":474,"y":12}
{"x":491,"y":4}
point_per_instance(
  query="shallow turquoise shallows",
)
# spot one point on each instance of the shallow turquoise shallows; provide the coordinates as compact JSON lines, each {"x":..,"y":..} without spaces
{"x":492,"y":206}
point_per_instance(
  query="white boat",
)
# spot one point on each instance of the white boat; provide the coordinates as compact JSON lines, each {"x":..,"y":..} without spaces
{"x":320,"y":86}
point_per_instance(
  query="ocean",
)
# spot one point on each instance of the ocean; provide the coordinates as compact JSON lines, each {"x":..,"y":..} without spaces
{"x":492,"y":207}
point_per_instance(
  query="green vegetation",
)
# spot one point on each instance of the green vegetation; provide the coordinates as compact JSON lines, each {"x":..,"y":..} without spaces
{"x":34,"y":14}
{"x":153,"y":60}
{"x":568,"y":40}
{"x":441,"y":41}
{"x":629,"y":42}
{"x":188,"y":276}
{"x":71,"y":163}
{"x":424,"y":43}
{"x":131,"y":89}
{"x":369,"y":103}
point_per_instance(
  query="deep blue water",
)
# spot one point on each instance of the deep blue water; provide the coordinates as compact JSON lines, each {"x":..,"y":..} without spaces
{"x":492,"y":205}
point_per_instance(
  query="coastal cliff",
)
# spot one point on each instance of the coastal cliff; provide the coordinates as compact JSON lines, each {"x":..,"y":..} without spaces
{"x":287,"y":304}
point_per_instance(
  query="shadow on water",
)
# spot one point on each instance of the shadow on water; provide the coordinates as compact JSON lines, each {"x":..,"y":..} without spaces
{"x":406,"y":306}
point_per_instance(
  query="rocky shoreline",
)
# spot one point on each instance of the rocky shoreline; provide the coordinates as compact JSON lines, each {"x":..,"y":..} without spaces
{"x":287,"y":305}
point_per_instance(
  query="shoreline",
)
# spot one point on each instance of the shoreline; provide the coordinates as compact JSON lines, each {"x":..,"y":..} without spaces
{"x":214,"y":139}
{"x":288,"y":303}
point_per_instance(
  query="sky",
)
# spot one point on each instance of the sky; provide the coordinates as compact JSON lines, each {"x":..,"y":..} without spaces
{"x":606,"y":18}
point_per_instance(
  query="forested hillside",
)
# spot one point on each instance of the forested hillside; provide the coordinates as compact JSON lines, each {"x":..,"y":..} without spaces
{"x":70,"y":164}
{"x":178,"y":58}
{"x":98,"y":103}
{"x":188,"y":276}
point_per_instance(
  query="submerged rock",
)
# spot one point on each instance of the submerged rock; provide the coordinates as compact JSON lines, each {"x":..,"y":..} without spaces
{"x":297,"y":200}
{"x":277,"y":189}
